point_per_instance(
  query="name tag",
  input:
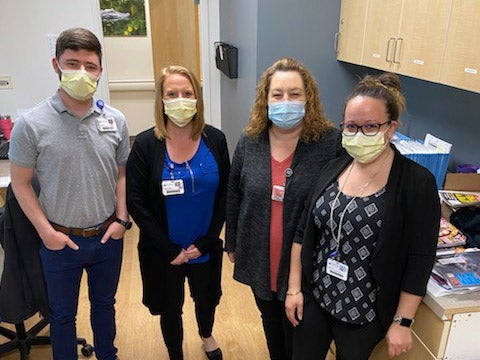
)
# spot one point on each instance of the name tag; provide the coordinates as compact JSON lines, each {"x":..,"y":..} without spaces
{"x":278,"y":192}
{"x":337,"y":269}
{"x":106,"y":124}
{"x":172,"y":187}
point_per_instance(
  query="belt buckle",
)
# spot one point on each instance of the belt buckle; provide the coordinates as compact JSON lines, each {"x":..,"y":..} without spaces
{"x":92,"y":228}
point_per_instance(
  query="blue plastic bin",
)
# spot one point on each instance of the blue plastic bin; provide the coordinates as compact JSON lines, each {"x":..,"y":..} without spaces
{"x":436,"y":163}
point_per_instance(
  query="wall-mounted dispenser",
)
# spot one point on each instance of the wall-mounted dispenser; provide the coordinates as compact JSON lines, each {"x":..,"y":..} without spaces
{"x":226,"y":58}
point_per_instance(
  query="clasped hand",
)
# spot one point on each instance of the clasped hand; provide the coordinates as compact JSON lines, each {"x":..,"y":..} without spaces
{"x":186,"y":255}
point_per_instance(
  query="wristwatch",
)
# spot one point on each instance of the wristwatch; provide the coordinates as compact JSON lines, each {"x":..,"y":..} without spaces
{"x":126,"y":224}
{"x":402,"y":321}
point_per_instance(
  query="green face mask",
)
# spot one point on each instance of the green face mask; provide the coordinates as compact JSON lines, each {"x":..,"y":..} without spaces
{"x":364,"y":148}
{"x":180,"y":110}
{"x":79,"y":84}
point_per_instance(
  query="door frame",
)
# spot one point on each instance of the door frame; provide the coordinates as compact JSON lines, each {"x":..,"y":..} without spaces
{"x":209,"y":34}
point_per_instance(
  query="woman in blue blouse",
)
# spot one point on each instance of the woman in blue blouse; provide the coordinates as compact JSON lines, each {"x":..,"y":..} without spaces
{"x":176,"y":186}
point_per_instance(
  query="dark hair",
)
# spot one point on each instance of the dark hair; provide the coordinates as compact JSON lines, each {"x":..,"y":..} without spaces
{"x":161,"y":119}
{"x":78,"y":39}
{"x":315,"y":124}
{"x":384,"y":87}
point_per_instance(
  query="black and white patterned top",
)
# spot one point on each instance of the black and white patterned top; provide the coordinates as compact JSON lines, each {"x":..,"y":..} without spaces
{"x":353,"y":300}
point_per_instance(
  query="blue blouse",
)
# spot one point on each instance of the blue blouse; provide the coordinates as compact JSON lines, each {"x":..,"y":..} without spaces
{"x":189,"y":214}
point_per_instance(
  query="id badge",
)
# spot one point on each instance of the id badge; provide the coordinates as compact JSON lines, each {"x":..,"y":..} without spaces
{"x":278,"y":192}
{"x":172,"y":187}
{"x":337,"y":269}
{"x":106,"y":124}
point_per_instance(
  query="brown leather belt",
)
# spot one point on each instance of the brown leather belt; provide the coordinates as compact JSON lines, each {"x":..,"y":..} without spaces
{"x":87,"y":232}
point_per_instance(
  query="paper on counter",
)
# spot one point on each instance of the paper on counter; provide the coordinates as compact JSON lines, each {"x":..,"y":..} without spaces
{"x":4,"y":181}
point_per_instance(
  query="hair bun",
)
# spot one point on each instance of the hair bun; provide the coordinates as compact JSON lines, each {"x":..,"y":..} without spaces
{"x":386,"y":87}
{"x":390,"y":80}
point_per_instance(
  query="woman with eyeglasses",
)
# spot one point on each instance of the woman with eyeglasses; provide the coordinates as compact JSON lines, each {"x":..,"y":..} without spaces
{"x":366,"y":242}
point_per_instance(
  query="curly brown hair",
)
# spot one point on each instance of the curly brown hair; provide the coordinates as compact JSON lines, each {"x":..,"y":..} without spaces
{"x":161,"y":119}
{"x":315,"y":124}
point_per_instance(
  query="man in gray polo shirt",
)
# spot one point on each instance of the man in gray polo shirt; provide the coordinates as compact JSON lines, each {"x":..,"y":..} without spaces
{"x":78,"y":148}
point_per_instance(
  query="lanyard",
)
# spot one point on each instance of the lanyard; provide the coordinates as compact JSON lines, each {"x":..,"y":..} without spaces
{"x":336,"y":254}
{"x":336,"y":238}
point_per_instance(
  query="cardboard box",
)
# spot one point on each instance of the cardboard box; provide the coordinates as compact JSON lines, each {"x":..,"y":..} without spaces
{"x":461,"y":182}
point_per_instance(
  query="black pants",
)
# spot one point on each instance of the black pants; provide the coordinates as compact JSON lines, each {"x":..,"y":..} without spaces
{"x":278,"y":330}
{"x":199,"y":280}
{"x":312,"y":338}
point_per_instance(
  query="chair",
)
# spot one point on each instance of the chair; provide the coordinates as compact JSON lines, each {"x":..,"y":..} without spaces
{"x":23,"y":340}
{"x":22,"y":292}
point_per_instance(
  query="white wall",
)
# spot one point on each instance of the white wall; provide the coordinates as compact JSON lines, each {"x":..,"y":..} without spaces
{"x":129,"y":85}
{"x":131,"y":78}
{"x":130,"y":67}
{"x":25,"y":53}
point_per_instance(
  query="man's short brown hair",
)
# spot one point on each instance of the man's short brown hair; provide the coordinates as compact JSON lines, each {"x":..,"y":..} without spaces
{"x":78,"y":39}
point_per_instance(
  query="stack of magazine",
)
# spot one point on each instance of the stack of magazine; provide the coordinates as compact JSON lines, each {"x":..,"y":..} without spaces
{"x":456,"y":199}
{"x":457,"y":273}
{"x":456,"y":269}
{"x":449,"y":236}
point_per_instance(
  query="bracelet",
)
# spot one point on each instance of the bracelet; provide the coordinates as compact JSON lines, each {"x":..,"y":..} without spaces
{"x":294,"y":293}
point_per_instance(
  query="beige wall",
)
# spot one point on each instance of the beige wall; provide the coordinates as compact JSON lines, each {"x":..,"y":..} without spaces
{"x":131,"y":77}
{"x":130,"y":73}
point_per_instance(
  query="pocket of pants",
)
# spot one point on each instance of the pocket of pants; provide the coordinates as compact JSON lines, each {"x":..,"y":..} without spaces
{"x":53,"y":250}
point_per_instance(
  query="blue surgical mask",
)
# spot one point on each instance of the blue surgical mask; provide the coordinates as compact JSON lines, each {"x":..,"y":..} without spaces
{"x":286,"y":114}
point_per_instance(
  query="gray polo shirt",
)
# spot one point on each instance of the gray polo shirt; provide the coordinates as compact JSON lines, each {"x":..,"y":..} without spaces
{"x":76,"y":163}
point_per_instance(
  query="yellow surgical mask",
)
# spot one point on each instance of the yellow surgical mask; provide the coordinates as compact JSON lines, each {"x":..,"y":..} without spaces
{"x":180,"y":110}
{"x":79,"y":84}
{"x":364,"y":148}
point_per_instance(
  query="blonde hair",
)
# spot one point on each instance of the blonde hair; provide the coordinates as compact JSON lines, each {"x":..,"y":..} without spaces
{"x":386,"y":87}
{"x":315,"y":124}
{"x":161,"y":119}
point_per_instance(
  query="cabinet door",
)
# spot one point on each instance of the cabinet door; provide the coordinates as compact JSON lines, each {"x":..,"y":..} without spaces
{"x":421,"y":41}
{"x":383,"y":21}
{"x":461,"y":65}
{"x":350,"y":30}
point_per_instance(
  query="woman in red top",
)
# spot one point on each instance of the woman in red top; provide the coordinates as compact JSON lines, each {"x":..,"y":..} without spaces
{"x":286,"y":143}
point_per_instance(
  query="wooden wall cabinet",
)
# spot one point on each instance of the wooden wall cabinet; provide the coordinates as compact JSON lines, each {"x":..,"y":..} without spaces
{"x":353,"y":16}
{"x":422,"y":37}
{"x":435,"y":40}
{"x":461,"y":65}
{"x":407,"y":36}
{"x":381,"y":33}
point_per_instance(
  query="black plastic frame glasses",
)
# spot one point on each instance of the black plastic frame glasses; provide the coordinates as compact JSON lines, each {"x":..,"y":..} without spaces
{"x":372,"y":129}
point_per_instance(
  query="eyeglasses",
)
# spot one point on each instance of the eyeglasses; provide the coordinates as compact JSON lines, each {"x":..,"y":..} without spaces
{"x":351,"y":129}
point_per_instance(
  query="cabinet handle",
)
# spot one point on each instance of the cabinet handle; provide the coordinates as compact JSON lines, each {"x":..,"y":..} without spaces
{"x":335,"y":44}
{"x":395,"y":53}
{"x":388,"y":49}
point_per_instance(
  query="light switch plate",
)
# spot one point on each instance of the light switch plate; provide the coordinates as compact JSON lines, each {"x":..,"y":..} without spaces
{"x":6,"y":82}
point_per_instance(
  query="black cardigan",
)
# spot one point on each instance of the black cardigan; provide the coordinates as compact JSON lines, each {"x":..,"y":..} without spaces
{"x":23,"y":291}
{"x":146,"y":205}
{"x":249,"y":205}
{"x":405,"y":250}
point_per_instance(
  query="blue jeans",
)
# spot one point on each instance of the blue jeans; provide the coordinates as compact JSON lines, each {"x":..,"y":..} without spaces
{"x":63,"y":272}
